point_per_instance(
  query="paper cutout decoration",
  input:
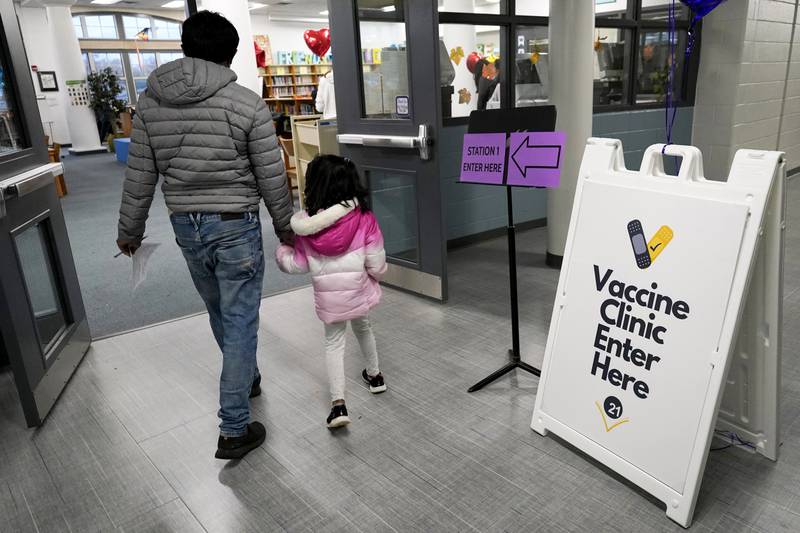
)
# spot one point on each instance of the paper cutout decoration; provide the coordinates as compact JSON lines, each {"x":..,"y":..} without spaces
{"x":489,"y":71}
{"x":456,"y":55}
{"x":535,"y":57}
{"x":464,"y":96}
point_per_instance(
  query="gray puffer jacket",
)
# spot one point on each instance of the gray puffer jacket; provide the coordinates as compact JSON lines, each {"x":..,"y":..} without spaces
{"x":213,"y":142}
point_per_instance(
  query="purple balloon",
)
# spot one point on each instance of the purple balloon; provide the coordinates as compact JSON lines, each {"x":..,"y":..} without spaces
{"x":701,"y":8}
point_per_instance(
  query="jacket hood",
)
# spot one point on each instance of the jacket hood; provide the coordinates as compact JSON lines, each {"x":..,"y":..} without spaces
{"x":329,"y":232}
{"x":188,"y":80}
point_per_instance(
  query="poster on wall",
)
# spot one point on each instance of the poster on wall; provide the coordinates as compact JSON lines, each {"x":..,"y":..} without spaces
{"x":653,"y":277}
{"x":263,"y":43}
{"x":78,"y":93}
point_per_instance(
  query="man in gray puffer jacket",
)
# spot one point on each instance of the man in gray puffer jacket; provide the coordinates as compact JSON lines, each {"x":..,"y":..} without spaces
{"x":213,"y":142}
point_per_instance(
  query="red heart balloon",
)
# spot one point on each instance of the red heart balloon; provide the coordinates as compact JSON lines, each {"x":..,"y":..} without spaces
{"x":318,"y":41}
{"x":472,"y":59}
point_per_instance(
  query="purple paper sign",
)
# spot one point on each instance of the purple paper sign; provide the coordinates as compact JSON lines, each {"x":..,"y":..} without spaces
{"x":534,"y":158}
{"x":483,"y":158}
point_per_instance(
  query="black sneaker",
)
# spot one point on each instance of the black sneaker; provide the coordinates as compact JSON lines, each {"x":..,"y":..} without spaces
{"x":238,"y":447}
{"x":338,"y":417}
{"x":255,"y":388}
{"x":376,"y":384}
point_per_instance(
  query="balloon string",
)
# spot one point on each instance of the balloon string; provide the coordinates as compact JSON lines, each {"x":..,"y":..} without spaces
{"x":671,"y":107}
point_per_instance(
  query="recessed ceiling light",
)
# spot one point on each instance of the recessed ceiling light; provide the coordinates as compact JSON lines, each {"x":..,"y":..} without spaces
{"x":256,"y":5}
{"x":324,"y":13}
{"x":176,"y":4}
{"x":387,"y":9}
{"x":105,"y":2}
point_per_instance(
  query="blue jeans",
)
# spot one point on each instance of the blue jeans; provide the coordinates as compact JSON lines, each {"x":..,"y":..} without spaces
{"x":226,"y":261}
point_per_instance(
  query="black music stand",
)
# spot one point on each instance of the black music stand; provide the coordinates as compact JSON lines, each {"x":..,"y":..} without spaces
{"x":537,"y":118}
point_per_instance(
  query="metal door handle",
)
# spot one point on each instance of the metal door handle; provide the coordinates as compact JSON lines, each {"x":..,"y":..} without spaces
{"x":423,"y":141}
{"x":28,"y":185}
{"x":25,"y":185}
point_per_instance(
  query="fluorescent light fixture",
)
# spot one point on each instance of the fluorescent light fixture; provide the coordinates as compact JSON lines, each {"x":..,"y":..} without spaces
{"x":324,"y":12}
{"x":256,"y":5}
{"x":105,"y":2}
{"x":389,"y":9}
{"x":176,"y":4}
{"x":492,"y":1}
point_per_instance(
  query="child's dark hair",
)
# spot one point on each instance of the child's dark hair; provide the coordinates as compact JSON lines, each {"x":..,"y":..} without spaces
{"x":332,"y":180}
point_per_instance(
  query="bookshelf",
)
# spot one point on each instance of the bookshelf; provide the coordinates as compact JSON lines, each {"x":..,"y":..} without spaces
{"x":287,"y":88}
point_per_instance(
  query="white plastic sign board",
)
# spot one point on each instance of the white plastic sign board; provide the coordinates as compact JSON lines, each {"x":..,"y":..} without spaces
{"x":655,"y":270}
{"x":750,"y":403}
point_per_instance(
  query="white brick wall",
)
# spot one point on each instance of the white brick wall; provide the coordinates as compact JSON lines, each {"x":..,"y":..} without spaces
{"x":748,"y":89}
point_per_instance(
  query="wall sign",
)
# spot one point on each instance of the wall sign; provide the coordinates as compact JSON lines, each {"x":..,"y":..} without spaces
{"x":654,"y":274}
{"x":533,"y":159}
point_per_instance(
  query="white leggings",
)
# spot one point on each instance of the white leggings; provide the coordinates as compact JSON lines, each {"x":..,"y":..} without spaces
{"x":334,"y":352}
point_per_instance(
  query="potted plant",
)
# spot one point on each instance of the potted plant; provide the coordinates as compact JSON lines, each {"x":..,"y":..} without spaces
{"x":104,"y":87}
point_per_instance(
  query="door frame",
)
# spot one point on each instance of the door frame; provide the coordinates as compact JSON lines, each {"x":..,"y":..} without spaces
{"x":428,"y":276}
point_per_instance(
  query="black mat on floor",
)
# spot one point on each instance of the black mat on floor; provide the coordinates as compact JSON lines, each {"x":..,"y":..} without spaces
{"x":95,"y":185}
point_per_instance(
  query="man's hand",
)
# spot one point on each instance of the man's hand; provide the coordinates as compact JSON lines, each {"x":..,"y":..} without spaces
{"x":129,"y":246}
{"x":287,"y":238}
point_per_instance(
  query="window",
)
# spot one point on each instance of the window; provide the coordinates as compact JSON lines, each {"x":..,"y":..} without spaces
{"x":632,"y":58}
{"x":383,"y":59}
{"x":166,"y":30}
{"x":100,"y":27}
{"x":102,"y":60}
{"x":531,"y":66}
{"x":134,"y":24}
{"x":487,"y":7}
{"x":472,"y":68}
{"x":76,"y":23}
{"x":124,"y":26}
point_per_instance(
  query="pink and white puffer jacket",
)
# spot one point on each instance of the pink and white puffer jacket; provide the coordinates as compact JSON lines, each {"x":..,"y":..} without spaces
{"x":342,"y":247}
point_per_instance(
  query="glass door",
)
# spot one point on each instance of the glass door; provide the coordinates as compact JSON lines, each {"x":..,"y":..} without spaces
{"x":43,"y":324}
{"x":43,"y":329}
{"x":387,"y":103}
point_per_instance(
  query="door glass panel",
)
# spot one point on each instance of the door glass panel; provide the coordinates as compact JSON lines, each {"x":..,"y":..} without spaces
{"x":653,"y":68}
{"x":532,"y":66}
{"x":11,"y":132}
{"x":610,"y":65}
{"x":490,"y":7}
{"x":471,"y":63}
{"x":36,"y":261}
{"x":384,"y":61}
{"x":394,"y":202}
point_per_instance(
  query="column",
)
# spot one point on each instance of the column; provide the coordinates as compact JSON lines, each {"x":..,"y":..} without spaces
{"x":81,"y":120}
{"x":571,"y":79}
{"x":244,"y":63}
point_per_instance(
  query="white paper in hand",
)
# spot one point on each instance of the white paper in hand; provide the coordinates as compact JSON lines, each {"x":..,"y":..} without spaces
{"x":140,"y":260}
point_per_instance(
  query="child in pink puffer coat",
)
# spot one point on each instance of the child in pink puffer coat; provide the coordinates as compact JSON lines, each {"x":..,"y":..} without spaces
{"x":338,"y":240}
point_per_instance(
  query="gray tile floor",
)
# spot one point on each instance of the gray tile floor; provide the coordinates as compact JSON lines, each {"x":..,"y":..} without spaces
{"x":129,"y":446}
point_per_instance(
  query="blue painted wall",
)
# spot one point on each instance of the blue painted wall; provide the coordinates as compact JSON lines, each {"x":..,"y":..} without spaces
{"x":472,"y":209}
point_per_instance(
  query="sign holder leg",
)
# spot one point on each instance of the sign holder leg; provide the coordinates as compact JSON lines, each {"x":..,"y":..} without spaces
{"x":514,"y":353}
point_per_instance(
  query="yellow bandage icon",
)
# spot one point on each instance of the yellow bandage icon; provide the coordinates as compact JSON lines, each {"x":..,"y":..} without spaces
{"x":659,"y":241}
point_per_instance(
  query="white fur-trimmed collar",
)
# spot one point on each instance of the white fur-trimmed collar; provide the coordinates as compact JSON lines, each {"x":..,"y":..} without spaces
{"x":305,"y":225}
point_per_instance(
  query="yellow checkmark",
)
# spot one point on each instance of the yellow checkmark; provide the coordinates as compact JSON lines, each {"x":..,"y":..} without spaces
{"x":605,"y":423}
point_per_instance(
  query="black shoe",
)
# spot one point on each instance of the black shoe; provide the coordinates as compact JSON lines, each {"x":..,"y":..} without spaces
{"x":238,"y":447}
{"x":338,"y":417}
{"x":376,"y":384}
{"x":255,"y":389}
